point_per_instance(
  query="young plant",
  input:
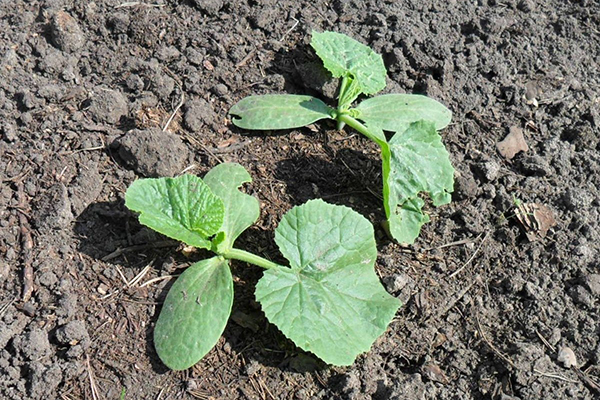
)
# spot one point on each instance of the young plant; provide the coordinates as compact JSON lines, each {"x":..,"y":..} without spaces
{"x":414,"y":160}
{"x":329,"y":300}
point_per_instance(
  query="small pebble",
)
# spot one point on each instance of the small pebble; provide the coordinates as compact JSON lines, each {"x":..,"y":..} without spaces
{"x":66,"y":33}
{"x":102,"y":289}
{"x":397,"y":282}
{"x":567,"y":357}
{"x":526,"y":5}
{"x":107,"y":106}
{"x":220,"y":89}
{"x":489,"y":170}
{"x":9,"y":132}
{"x":73,"y":333}
{"x":119,"y":22}
{"x":512,"y":144}
{"x":209,"y":7}
{"x":29,"y":309}
{"x":194,"y":56}
{"x":198,"y":113}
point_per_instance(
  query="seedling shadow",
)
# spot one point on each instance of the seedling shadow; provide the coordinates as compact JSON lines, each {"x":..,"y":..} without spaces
{"x":304,"y":73}
{"x":285,"y":63}
{"x":107,"y":231}
{"x":350,"y":178}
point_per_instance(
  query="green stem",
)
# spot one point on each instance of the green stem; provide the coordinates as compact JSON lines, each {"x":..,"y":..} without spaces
{"x":343,"y":88}
{"x":351,"y":122}
{"x":250,"y":258}
{"x":341,"y":95}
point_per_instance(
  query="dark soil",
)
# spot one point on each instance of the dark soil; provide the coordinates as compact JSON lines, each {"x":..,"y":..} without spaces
{"x":86,"y":88}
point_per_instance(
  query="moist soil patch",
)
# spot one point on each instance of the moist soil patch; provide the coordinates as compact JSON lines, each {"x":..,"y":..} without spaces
{"x":497,"y":286}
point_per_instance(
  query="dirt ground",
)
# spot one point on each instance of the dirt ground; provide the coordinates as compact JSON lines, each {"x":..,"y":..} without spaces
{"x":86,"y":88}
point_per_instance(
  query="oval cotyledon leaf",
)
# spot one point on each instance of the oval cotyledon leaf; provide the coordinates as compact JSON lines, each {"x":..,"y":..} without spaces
{"x":330,"y":301}
{"x":278,"y":111}
{"x":194,"y":313}
{"x":395,"y":112}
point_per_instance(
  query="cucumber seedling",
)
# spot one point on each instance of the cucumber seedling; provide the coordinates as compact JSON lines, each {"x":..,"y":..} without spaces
{"x":414,"y":160}
{"x":328,"y":301}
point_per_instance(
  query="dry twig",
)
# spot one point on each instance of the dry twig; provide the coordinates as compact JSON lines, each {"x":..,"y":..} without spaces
{"x":6,"y":306}
{"x":544,"y":341}
{"x":589,"y":382}
{"x":140,"y":247}
{"x":138,"y":3}
{"x":452,"y":275}
{"x":289,"y":30}
{"x":456,"y":298}
{"x":174,"y":112}
{"x":245,"y":59}
{"x":457,"y":243}
{"x":158,"y":279}
{"x":554,"y":376}
{"x":491,"y":345}
{"x":93,"y":386}
{"x":139,"y":276}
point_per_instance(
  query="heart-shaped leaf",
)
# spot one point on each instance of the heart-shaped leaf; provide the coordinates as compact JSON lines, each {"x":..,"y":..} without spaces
{"x":182,"y":208}
{"x":395,"y":112}
{"x":194,"y":314}
{"x":278,"y":111}
{"x":344,"y":56}
{"x":330,"y":301}
{"x":241,"y":210}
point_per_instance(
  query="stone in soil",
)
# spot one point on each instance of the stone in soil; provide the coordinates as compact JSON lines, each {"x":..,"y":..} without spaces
{"x":44,"y":379}
{"x":210,"y":7}
{"x":53,"y":209}
{"x":107,"y":106}
{"x":66,"y":33}
{"x":512,"y":144}
{"x":33,"y":344}
{"x":152,"y":152}
{"x":592,"y":281}
{"x":73,"y":333}
{"x":86,"y":188}
{"x":198,"y":113}
{"x":9,"y":132}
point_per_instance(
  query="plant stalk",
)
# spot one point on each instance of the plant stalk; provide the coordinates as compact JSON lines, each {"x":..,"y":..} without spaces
{"x":343,"y":88}
{"x":351,"y":122}
{"x":250,"y":258}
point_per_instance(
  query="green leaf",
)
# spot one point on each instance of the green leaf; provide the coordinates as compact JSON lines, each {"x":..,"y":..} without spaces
{"x":330,"y":301}
{"x":414,"y":161}
{"x":349,"y":91}
{"x":279,"y":111}
{"x":241,"y":210}
{"x":344,"y":56}
{"x":182,"y":208}
{"x":194,"y":314}
{"x":395,"y":112}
